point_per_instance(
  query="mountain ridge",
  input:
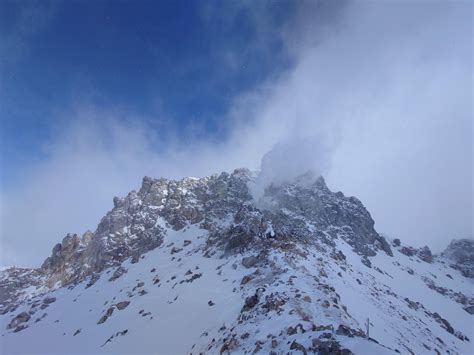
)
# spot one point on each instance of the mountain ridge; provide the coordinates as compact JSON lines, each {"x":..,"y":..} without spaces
{"x":301,"y":221}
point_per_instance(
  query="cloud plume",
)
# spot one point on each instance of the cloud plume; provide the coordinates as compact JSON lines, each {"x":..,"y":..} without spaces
{"x":378,"y":99}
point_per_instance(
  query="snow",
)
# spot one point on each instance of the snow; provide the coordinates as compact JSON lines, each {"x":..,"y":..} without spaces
{"x":270,"y":230}
{"x":176,"y":324}
{"x":177,"y":318}
{"x":384,"y":317}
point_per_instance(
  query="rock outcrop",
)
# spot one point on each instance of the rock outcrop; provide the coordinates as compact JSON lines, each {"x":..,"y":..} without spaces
{"x":302,"y":209}
{"x":460,"y":255}
{"x":293,"y":258}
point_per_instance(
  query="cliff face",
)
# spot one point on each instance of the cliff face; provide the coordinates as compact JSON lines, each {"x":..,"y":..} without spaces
{"x":299,"y":210}
{"x":301,"y":269}
{"x":460,"y":255}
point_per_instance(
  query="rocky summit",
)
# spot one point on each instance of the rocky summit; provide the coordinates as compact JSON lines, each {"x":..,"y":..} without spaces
{"x":200,"y":266}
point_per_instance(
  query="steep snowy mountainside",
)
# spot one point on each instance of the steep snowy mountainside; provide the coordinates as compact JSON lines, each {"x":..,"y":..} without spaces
{"x":199,"y":266}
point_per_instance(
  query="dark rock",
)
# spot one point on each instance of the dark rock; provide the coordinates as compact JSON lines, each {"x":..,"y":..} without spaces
{"x":412,"y":304}
{"x":328,"y":347}
{"x":94,"y":278}
{"x":117,"y":273}
{"x":344,"y":330}
{"x":366,"y":262}
{"x":192,"y":278}
{"x":19,"y":319}
{"x":239,"y":239}
{"x":250,"y":302}
{"x":294,"y":330}
{"x":297,"y":346}
{"x":425,"y":254}
{"x":444,"y":323}
{"x":273,"y":302}
{"x":249,"y":261}
{"x":382,"y":243}
{"x":461,"y":254}
{"x":229,"y":345}
{"x":408,"y":251}
{"x":338,"y":256}
{"x":110,"y":311}
{"x":122,"y":305}
{"x":102,"y":319}
{"x":20,"y":328}
{"x":258,"y":347}
{"x":469,"y":309}
{"x":175,"y":250}
{"x":49,"y":300}
{"x":245,"y":279}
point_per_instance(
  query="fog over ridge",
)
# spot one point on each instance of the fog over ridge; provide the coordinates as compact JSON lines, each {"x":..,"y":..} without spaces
{"x":378,"y":101}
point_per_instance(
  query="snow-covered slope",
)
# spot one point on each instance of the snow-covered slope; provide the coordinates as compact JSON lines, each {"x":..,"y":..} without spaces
{"x":198,"y":266}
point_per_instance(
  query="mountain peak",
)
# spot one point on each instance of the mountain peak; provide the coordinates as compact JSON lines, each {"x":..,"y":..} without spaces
{"x":301,"y":261}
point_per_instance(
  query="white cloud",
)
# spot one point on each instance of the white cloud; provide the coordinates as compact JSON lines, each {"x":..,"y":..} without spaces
{"x":379,"y":102}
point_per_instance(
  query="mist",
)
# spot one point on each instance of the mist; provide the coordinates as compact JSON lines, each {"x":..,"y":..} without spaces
{"x":378,"y":99}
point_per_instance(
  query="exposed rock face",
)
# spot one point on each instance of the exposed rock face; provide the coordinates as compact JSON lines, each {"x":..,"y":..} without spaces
{"x":14,"y":282}
{"x":408,"y":251}
{"x":329,"y":211}
{"x":460,"y":253}
{"x":288,"y":258}
{"x":131,"y":228}
{"x":303,"y":209}
{"x":425,"y":254}
{"x":64,"y":255}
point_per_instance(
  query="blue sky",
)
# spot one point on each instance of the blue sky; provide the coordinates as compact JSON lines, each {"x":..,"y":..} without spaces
{"x":94,"y":95}
{"x":185,"y":60}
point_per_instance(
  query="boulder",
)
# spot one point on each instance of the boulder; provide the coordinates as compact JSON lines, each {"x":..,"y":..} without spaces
{"x":469,"y":309}
{"x":425,"y":254}
{"x":250,"y":302}
{"x":408,"y":251}
{"x":19,"y":319}
{"x":297,"y":346}
{"x":344,"y":330}
{"x":117,"y":273}
{"x":249,"y":261}
{"x":122,"y":305}
{"x":49,"y":300}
